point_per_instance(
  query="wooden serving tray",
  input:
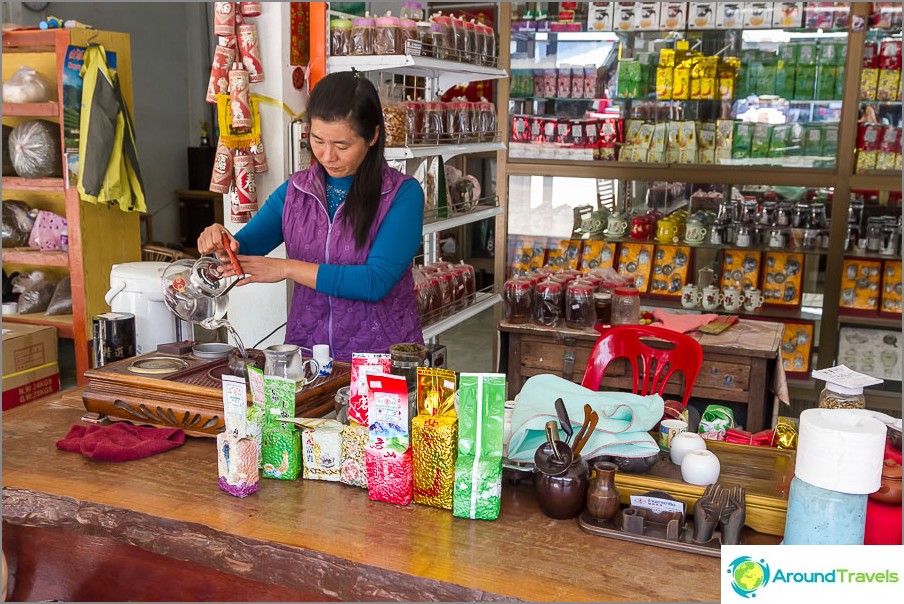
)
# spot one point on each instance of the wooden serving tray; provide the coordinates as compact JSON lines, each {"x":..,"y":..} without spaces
{"x":654,"y":533}
{"x":190,"y":398}
{"x":764,"y":472}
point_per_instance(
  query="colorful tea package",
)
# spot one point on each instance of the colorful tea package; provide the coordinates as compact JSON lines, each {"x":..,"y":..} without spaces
{"x":354,"y":443}
{"x":715,"y":422}
{"x":724,"y":138}
{"x":434,"y":437}
{"x":478,"y":470}
{"x":237,"y":455}
{"x":257,"y":412}
{"x":363,"y":364}
{"x":280,"y":442}
{"x":321,"y":449}
{"x":388,"y":454}
{"x":784,"y":436}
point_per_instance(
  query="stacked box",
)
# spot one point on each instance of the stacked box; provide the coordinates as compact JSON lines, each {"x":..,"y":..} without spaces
{"x":779,"y":139}
{"x":354,"y":443}
{"x":812,"y":140}
{"x":321,"y":449}
{"x":706,"y":140}
{"x":762,"y":135}
{"x":478,"y":470}
{"x":687,"y":142}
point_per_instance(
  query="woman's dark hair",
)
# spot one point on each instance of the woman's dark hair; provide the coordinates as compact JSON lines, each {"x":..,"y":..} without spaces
{"x":350,"y":96}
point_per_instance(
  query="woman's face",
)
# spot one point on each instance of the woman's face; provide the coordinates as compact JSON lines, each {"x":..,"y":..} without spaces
{"x":338,"y":148}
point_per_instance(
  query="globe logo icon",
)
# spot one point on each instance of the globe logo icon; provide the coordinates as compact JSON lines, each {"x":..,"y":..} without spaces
{"x":748,"y":575}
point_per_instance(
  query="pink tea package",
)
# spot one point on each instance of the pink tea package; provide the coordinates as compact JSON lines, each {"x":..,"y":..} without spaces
{"x":363,"y":364}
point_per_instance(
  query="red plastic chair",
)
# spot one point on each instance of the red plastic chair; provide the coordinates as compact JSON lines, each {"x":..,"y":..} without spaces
{"x":658,"y":365}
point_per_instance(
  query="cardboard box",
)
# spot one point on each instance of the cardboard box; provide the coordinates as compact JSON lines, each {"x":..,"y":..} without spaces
{"x":30,"y":369}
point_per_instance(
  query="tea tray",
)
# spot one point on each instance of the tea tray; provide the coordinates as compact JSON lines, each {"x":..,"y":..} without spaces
{"x":653,"y":531}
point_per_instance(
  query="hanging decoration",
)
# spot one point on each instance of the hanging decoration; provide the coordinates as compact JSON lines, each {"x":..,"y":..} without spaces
{"x":300,"y":33}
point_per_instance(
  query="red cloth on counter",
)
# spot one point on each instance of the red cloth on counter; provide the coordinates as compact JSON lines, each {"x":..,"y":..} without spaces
{"x":120,"y":441}
{"x":883,"y":520}
{"x":681,"y":323}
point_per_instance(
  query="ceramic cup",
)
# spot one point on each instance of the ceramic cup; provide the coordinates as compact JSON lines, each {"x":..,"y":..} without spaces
{"x":616,"y":224}
{"x":695,"y":232}
{"x":690,"y":296}
{"x":711,"y":297}
{"x":323,"y":358}
{"x":667,"y":231}
{"x":668,"y":428}
{"x":683,"y":443}
{"x":700,"y":467}
{"x":753,"y":299}
{"x":731,"y":299}
{"x":641,"y":227}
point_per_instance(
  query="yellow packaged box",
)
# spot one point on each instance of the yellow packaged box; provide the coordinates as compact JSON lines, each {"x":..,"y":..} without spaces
{"x":30,"y":369}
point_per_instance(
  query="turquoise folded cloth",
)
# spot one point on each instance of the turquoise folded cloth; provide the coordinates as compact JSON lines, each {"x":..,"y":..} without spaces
{"x":623,"y":428}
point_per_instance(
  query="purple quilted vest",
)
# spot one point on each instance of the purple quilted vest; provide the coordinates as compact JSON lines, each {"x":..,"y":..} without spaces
{"x":346,"y":325}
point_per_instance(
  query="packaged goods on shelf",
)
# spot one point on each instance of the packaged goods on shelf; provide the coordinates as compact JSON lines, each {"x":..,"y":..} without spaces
{"x":885,"y":15}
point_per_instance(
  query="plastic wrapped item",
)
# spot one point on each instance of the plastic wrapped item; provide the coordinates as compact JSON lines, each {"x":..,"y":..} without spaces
{"x":517,"y":303}
{"x":473,"y":43}
{"x":433,"y":122}
{"x":17,"y":223}
{"x":61,"y":302}
{"x":415,"y":118}
{"x":407,"y":31}
{"x":340,"y":37}
{"x":8,"y":169}
{"x":486,"y":120}
{"x":26,"y":86}
{"x":47,"y":231}
{"x":413,"y":11}
{"x":386,"y":35}
{"x":363,"y":35}
{"x":37,"y":298}
{"x":464,"y":189}
{"x":34,"y":148}
{"x":443,"y":36}
{"x":395,"y":122}
{"x":460,"y":39}
{"x":25,"y":281}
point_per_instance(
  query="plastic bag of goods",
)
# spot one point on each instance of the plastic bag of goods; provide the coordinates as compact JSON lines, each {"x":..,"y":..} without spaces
{"x":34,"y":148}
{"x":61,"y":303}
{"x":18,"y":221}
{"x":37,"y":298}
{"x":26,"y":86}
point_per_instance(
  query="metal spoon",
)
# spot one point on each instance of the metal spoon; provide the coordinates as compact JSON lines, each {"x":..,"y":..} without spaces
{"x":564,"y":420}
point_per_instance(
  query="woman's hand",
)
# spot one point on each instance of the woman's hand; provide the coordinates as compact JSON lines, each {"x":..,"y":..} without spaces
{"x":260,"y":269}
{"x":210,"y":241}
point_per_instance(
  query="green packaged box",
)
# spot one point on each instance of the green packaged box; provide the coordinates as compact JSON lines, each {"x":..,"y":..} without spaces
{"x":830,"y":140}
{"x":826,"y":55}
{"x":787,"y":54}
{"x":759,"y":146}
{"x":812,"y":140}
{"x":779,"y":136}
{"x":787,"y":89}
{"x":805,"y":53}
{"x":804,"y":82}
{"x":281,"y":451}
{"x":478,"y":469}
{"x":825,"y":82}
{"x":839,"y":82}
{"x":743,"y":137}
{"x":841,"y":53}
{"x":629,"y":79}
{"x":765,"y":83}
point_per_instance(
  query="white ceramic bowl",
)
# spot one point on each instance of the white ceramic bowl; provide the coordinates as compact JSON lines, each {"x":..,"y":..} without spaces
{"x":683,"y":443}
{"x":700,"y":467}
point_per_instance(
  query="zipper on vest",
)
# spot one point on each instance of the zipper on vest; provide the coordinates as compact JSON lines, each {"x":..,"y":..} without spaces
{"x":326,"y":259}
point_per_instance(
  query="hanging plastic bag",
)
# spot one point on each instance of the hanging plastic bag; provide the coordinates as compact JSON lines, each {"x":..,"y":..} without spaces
{"x":61,"y":303}
{"x":18,"y":221}
{"x":26,"y":86}
{"x":34,"y":148}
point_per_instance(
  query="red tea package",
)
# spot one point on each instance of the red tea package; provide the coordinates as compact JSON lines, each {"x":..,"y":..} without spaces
{"x":890,"y":55}
{"x":871,"y":55}
{"x":520,"y":131}
{"x":364,"y":364}
{"x":868,"y":136}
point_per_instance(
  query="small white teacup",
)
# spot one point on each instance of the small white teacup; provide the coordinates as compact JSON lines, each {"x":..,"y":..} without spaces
{"x":321,"y":353}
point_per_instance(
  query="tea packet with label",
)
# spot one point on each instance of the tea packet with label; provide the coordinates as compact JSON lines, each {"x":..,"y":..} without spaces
{"x":434,"y":437}
{"x":388,"y":454}
{"x":237,"y":455}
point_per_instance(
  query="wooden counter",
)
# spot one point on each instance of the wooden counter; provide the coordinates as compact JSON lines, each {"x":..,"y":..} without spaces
{"x":738,"y":364}
{"x":162,"y":517}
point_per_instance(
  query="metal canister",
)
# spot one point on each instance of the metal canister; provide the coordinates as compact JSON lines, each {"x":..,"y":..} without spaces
{"x":239,"y":97}
{"x":250,"y":49}
{"x":224,"y":18}
{"x":114,"y":337}
{"x":222,"y":175}
{"x":245,"y":186}
{"x":891,"y":239}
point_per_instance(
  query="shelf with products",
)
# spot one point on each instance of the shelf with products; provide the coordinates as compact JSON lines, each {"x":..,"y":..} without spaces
{"x":879,"y":127}
{"x":445,"y":150}
{"x":48,"y":109}
{"x":32,"y":257}
{"x":483,"y":300}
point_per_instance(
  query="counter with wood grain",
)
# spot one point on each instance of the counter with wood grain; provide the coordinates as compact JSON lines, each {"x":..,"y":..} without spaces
{"x":159,"y":528}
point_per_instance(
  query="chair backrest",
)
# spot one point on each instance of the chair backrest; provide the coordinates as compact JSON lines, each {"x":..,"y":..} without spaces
{"x":161,"y":254}
{"x":658,"y":365}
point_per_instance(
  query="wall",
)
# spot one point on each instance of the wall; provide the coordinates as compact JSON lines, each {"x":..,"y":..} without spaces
{"x":170,"y":66}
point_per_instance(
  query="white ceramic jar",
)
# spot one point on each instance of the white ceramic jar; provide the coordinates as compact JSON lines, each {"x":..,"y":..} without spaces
{"x":700,"y":467}
{"x":683,"y":443}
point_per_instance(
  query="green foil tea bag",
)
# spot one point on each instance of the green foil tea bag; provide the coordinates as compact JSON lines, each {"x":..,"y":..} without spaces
{"x":478,"y":469}
{"x":257,"y":412}
{"x":282,"y":451}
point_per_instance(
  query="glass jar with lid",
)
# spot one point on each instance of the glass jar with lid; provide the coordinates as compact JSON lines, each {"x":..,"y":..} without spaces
{"x":874,"y":233}
{"x":340,"y":37}
{"x":626,"y":306}
{"x":408,"y":31}
{"x":433,"y":126}
{"x":363,"y":35}
{"x":517,"y":301}
{"x":579,"y":310}
{"x":548,"y":304}
{"x":386,"y":35}
{"x":424,"y":48}
{"x":602,"y":302}
{"x":836,"y":396}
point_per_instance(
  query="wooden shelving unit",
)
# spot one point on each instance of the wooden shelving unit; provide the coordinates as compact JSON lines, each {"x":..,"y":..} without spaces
{"x":99,"y":236}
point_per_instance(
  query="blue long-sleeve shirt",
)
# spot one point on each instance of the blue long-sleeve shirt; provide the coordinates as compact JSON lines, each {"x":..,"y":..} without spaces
{"x":394,"y":245}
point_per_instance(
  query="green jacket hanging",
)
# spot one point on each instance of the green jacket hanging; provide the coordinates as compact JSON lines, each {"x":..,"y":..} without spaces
{"x":108,"y":160}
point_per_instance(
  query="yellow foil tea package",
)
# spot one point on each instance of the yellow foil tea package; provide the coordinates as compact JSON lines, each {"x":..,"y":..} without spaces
{"x":434,"y":438}
{"x":785,"y":434}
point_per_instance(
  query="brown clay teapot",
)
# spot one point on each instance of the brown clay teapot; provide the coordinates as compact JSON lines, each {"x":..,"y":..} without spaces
{"x":890,"y":491}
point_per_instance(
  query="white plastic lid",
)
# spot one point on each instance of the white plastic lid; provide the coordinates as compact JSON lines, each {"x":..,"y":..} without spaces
{"x":138,"y":276}
{"x":847,"y":390}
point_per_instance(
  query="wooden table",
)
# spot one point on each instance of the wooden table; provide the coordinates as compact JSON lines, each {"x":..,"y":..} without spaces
{"x":737,"y":364}
{"x":159,"y":528}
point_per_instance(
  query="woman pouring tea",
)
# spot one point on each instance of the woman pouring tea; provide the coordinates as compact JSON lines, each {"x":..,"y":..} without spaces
{"x":351,"y":224}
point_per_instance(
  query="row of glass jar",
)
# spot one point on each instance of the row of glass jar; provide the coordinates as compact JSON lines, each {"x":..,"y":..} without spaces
{"x":577,"y":300}
{"x":436,"y":123}
{"x":442,"y":37}
{"x":772,"y":213}
{"x":442,"y":288}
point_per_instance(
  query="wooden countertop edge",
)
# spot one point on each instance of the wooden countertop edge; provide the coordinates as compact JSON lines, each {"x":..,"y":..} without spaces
{"x":254,"y":559}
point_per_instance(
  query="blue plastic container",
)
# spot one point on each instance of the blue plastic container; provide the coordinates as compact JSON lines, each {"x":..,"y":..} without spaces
{"x":818,"y":516}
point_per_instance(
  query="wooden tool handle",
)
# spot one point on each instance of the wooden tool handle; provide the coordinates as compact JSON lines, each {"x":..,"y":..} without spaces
{"x":236,"y":265}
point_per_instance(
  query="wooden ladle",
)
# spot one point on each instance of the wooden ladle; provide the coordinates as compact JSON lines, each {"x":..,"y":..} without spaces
{"x":579,"y":444}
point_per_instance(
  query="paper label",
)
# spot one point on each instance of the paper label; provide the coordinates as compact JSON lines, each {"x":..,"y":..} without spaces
{"x":256,"y":382}
{"x":657,"y":505}
{"x":234,"y":405}
{"x":845,"y":376}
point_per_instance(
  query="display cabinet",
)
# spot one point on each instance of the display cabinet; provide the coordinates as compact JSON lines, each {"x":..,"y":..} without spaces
{"x":92,"y":252}
{"x":674,"y":109}
{"x":415,"y":66}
